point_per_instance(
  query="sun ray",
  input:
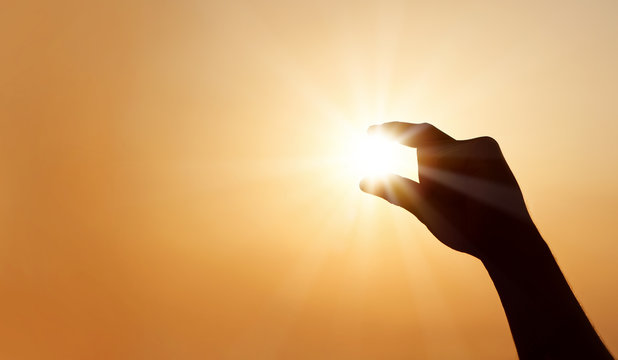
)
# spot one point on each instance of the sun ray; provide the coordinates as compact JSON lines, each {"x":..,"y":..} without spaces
{"x":494,"y":194}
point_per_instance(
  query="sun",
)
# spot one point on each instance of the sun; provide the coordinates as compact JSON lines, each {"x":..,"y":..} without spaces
{"x":377,"y":155}
{"x":374,"y":156}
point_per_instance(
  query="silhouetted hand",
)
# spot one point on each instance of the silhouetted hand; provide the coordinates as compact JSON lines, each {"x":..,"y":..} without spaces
{"x":466,"y":195}
{"x":468,"y":198}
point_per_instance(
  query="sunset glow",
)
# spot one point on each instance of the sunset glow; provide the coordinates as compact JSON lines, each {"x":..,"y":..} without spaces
{"x":180,"y":180}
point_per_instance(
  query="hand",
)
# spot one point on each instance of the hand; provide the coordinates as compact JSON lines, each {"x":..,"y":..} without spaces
{"x":466,"y":195}
{"x":468,"y":198}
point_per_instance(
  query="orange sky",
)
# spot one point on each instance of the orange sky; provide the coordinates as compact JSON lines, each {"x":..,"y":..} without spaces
{"x":172,"y":184}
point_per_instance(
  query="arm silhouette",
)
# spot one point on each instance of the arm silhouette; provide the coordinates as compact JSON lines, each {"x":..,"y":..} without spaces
{"x":469,"y":199}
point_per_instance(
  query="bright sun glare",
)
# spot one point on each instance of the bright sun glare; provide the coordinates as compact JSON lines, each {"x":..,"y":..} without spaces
{"x":376,"y":155}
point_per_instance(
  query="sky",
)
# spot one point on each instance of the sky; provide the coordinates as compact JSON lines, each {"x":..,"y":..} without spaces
{"x":175,"y":176}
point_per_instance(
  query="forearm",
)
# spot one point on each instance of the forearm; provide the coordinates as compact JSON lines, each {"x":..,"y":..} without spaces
{"x":546,"y":319}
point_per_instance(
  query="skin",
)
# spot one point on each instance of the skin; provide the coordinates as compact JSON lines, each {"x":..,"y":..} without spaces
{"x":469,"y":199}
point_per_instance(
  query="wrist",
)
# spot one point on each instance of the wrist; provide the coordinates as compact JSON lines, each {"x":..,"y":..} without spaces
{"x":521,"y":245}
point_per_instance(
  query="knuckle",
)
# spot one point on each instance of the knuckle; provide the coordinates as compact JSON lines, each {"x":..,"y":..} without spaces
{"x":488,"y":142}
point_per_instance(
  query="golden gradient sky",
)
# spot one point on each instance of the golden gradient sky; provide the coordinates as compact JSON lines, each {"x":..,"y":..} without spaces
{"x":172,"y":185}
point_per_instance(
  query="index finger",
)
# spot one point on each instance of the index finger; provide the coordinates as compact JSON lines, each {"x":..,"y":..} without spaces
{"x":414,"y":135}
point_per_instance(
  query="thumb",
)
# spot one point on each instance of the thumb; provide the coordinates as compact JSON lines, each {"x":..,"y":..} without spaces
{"x":396,"y":190}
